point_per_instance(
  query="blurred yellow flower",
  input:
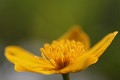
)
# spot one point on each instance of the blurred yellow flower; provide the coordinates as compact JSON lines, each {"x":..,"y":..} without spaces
{"x":69,"y":53}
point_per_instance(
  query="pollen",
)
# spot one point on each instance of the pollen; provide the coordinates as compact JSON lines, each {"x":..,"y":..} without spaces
{"x":62,"y":53}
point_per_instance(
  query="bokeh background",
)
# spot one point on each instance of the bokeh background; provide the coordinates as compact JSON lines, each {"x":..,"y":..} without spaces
{"x":31,"y":23}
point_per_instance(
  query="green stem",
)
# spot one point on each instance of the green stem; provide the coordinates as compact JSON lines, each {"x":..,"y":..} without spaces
{"x":66,"y":76}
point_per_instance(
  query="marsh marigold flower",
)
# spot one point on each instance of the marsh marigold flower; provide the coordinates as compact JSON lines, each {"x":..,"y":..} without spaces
{"x":69,"y":53}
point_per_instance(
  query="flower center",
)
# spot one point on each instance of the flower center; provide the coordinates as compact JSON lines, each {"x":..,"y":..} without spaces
{"x":62,"y":53}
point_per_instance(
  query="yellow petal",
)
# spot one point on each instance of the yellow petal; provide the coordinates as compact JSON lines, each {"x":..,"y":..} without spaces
{"x":92,"y":55}
{"x":20,"y":68}
{"x":76,"y":33}
{"x":27,"y":60}
{"x":101,"y":46}
{"x":79,"y":64}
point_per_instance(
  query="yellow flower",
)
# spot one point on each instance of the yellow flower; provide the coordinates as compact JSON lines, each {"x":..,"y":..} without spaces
{"x":70,"y":53}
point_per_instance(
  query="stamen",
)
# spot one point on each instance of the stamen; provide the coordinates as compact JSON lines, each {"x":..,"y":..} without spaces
{"x":62,"y":53}
{"x":36,"y":57}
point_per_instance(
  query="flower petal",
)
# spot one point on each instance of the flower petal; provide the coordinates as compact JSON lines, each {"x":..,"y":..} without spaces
{"x":20,"y":68}
{"x":91,"y":56}
{"x":76,"y":33}
{"x":100,"y":47}
{"x":79,"y":64}
{"x":27,"y":60}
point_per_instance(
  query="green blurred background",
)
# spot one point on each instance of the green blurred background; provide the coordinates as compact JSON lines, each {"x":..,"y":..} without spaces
{"x":44,"y":20}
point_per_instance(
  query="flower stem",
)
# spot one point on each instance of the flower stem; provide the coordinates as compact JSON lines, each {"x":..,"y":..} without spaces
{"x":66,"y":76}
